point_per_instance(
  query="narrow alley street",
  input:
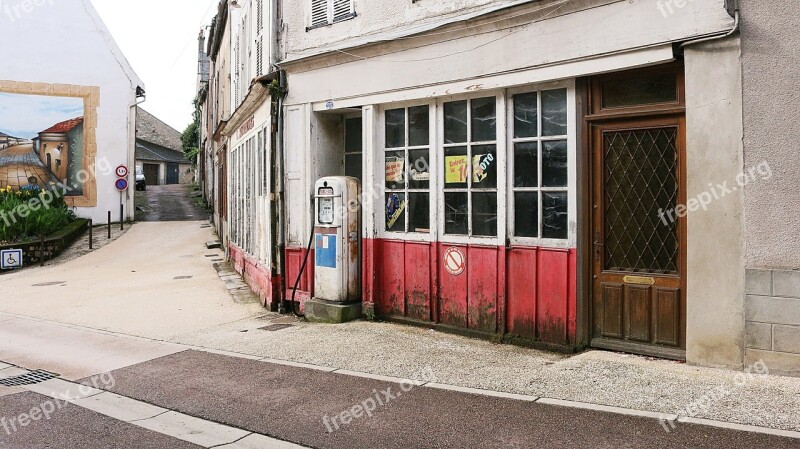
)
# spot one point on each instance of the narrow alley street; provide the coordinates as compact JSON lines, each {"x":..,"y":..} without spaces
{"x":168,"y":203}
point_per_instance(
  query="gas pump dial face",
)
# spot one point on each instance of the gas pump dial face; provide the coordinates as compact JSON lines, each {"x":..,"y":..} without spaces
{"x":325,"y":206}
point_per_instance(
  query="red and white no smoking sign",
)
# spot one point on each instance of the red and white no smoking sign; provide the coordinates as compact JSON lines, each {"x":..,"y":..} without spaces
{"x":454,"y":261}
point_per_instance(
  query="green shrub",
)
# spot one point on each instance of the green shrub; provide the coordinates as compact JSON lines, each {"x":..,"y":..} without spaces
{"x":30,"y":214}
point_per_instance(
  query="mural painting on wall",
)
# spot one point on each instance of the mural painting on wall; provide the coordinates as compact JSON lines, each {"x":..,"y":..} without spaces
{"x":41,"y":142}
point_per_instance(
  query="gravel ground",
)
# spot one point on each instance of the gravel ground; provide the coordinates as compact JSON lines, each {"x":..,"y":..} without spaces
{"x":597,"y":377}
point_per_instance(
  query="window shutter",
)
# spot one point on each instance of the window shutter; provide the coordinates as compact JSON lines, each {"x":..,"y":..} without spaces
{"x":342,"y":9}
{"x":319,"y":12}
{"x":260,"y":56}
{"x":259,"y":16}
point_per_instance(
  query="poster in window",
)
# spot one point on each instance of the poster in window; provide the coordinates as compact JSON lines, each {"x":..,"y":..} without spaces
{"x":395,"y":205}
{"x":482,"y":165}
{"x":456,"y":169}
{"x":394,"y":170}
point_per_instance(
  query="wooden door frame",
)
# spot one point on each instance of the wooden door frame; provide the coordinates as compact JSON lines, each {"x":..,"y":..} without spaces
{"x":592,"y":114}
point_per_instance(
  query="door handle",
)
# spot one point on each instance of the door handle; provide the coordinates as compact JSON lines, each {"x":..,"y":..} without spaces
{"x":598,"y":245}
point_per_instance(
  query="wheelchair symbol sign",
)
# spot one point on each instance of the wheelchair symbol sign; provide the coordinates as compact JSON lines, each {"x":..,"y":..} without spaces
{"x":10,"y":259}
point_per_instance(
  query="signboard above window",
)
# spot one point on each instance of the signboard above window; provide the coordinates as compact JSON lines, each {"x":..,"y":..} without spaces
{"x":327,"y":12}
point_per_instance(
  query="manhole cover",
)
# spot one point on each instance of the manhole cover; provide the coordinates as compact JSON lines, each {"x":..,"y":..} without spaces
{"x":276,"y":327}
{"x":182,"y":277}
{"x":48,"y":284}
{"x":31,"y":378}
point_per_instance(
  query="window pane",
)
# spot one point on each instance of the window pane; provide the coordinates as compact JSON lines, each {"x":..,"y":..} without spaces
{"x":396,"y":128}
{"x":484,"y":213}
{"x":526,"y":214}
{"x":455,"y":122}
{"x":484,"y":119}
{"x":526,"y":115}
{"x":554,"y":112}
{"x":526,"y":168}
{"x":653,"y":89}
{"x":395,"y":212}
{"x":395,"y":170}
{"x":419,"y":126}
{"x":419,"y":210}
{"x":352,"y":135}
{"x":419,"y":168}
{"x":554,"y":206}
{"x":352,"y":165}
{"x":554,"y":164}
{"x":455,"y":213}
{"x":456,"y":167}
{"x":484,"y":167}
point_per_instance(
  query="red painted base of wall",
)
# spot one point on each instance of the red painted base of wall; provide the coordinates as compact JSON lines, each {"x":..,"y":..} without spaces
{"x":256,"y":275}
{"x":294,"y":261}
{"x":522,"y":292}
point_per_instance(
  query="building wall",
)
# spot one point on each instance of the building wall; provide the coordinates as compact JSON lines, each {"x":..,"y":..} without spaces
{"x":770,"y":71}
{"x":80,"y":52}
{"x":715,"y":283}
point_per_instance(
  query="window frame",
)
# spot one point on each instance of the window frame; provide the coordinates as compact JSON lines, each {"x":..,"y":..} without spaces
{"x":501,"y":189}
{"x":572,"y":177}
{"x":380,"y":178}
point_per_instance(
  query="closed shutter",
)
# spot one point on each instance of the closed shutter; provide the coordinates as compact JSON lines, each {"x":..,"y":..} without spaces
{"x":319,"y":12}
{"x":260,"y":56}
{"x":342,"y":9}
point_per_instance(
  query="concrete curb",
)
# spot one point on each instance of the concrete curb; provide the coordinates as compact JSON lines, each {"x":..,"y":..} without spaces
{"x":739,"y":427}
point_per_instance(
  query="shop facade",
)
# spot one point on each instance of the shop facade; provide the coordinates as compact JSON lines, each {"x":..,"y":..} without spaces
{"x":525,"y":171}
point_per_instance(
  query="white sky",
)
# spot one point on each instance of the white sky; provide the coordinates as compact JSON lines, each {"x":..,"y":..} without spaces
{"x":159,"y":39}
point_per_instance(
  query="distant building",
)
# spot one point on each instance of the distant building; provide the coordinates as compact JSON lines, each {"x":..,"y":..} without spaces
{"x":60,"y":148}
{"x":159,"y":152}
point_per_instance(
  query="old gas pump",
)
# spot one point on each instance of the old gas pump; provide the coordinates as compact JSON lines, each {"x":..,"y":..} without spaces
{"x":337,"y":248}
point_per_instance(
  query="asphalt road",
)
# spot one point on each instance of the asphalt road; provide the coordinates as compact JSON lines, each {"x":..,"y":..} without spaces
{"x":168,"y":203}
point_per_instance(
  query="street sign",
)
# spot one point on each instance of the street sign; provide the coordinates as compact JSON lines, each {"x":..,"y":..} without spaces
{"x":121,"y":184}
{"x":10,"y":259}
{"x":122,"y":171}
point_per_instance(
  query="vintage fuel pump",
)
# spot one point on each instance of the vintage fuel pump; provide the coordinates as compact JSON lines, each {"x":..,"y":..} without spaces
{"x":337,"y":251}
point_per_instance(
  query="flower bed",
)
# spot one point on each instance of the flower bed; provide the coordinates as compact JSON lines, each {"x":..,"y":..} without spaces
{"x":26,"y":215}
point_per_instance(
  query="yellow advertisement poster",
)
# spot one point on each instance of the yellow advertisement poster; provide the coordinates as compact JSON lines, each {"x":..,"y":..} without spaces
{"x":455,"y":169}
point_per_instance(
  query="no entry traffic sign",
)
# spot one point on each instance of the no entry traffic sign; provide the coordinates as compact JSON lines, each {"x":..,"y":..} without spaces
{"x":454,"y":261}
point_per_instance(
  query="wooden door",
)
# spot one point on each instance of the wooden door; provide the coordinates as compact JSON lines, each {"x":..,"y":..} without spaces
{"x":151,"y":174}
{"x":638,"y":260}
{"x":173,"y":173}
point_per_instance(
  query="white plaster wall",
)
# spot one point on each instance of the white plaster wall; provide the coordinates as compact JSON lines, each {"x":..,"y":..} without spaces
{"x":771,"y":76}
{"x":65,"y":42}
{"x":714,"y":154}
{"x":476,"y":52}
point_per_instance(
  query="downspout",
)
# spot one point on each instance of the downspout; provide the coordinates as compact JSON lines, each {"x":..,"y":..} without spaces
{"x":736,"y":23}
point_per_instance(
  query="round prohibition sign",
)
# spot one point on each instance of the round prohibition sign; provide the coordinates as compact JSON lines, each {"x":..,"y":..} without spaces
{"x":122,"y":171}
{"x":454,"y":261}
{"x":121,"y":184}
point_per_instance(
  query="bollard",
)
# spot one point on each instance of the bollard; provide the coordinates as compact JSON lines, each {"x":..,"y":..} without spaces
{"x":91,"y":241}
{"x":41,"y":251}
{"x":109,"y":224}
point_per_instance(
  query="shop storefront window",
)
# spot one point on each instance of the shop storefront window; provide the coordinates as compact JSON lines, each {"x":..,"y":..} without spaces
{"x":470,"y":167}
{"x":407,"y":174}
{"x":540,"y":168}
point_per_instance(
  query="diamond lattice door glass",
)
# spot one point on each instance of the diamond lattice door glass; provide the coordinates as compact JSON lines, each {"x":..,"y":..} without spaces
{"x":641,"y":193}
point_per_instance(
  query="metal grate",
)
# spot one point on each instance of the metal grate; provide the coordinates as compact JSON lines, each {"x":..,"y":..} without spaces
{"x":30,"y":378}
{"x":641,"y":184}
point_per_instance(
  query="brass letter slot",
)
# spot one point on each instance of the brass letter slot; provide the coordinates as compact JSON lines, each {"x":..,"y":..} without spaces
{"x":639,"y":280}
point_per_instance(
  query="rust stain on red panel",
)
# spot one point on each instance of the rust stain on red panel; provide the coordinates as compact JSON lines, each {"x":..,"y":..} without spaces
{"x":482,"y":280}
{"x":452,"y":293}
{"x":417,"y":280}
{"x":521,"y":306}
{"x":391,"y":292}
{"x":551,"y":314}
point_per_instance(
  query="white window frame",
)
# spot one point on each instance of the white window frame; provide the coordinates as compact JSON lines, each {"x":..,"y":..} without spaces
{"x":330,"y":20}
{"x":571,"y":137}
{"x":500,"y":110}
{"x":380,"y":179}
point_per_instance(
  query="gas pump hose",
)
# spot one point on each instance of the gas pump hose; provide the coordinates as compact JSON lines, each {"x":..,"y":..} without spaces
{"x":300,"y":274}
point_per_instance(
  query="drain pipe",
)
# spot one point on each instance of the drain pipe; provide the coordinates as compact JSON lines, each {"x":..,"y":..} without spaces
{"x":730,"y":33}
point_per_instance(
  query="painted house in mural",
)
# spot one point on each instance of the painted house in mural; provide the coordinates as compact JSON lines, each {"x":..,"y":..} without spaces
{"x":73,"y":126}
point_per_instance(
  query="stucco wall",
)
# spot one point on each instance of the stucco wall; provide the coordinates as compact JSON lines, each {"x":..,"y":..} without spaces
{"x":771,"y":73}
{"x":715,"y":270}
{"x":80,"y":52}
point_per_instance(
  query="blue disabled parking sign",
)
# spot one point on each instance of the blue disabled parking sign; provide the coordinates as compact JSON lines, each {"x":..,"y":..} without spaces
{"x":10,"y":259}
